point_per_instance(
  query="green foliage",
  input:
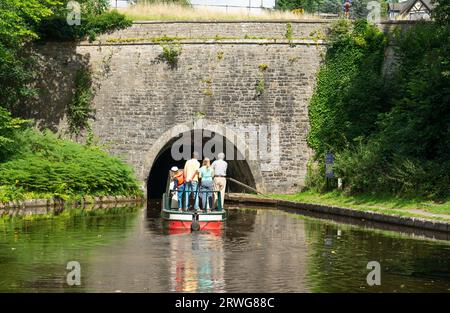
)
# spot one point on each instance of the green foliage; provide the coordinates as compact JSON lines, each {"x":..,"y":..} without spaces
{"x":387,"y":138}
{"x":92,"y":7}
{"x":419,"y":123}
{"x":17,"y":20}
{"x":9,"y":127}
{"x":359,"y":8}
{"x":46,"y":164}
{"x":346,"y":101}
{"x":441,"y":13}
{"x":289,"y":32}
{"x":315,"y":177}
{"x":370,"y":168}
{"x":260,"y":83}
{"x":79,"y":111}
{"x":259,"y":87}
{"x":56,"y":27}
{"x":362,"y":168}
{"x":171,"y":52}
{"x":14,"y":76}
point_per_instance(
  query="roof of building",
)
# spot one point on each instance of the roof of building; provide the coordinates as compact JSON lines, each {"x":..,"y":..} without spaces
{"x":395,"y":6}
{"x":406,"y":6}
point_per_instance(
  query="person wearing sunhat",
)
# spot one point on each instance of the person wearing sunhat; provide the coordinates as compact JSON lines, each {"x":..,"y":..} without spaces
{"x":178,"y":179}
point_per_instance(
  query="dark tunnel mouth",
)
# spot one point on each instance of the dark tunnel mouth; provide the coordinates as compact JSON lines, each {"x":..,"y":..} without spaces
{"x":157,"y":178}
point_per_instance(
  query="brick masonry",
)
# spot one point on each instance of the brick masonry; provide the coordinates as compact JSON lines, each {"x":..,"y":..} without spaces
{"x":139,"y":97}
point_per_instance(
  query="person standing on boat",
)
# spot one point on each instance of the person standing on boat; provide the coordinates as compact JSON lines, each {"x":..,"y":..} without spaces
{"x":206,"y":173}
{"x":191,"y":175}
{"x":178,"y":179}
{"x":220,"y":173}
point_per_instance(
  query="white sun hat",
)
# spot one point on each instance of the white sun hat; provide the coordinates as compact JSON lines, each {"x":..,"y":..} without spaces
{"x":174,"y":169}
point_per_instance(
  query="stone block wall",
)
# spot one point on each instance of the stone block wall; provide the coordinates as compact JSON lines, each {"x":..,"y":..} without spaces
{"x":139,"y":97}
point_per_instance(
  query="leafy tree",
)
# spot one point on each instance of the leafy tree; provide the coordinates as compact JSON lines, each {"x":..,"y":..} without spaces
{"x":441,"y":12}
{"x":95,"y":19}
{"x":17,"y":18}
{"x":330,"y":6}
{"x":17,"y":21}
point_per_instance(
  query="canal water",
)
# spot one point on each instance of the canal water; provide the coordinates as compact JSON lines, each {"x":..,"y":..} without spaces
{"x":260,"y":250}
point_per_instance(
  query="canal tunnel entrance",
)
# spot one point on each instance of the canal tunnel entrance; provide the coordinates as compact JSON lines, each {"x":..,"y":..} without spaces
{"x":209,"y":146}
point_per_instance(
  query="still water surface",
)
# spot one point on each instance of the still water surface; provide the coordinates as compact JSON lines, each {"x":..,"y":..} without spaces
{"x":260,"y":250}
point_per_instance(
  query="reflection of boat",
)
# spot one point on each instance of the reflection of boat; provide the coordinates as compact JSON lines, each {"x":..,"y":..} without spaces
{"x":196,"y":263}
{"x":190,"y":220}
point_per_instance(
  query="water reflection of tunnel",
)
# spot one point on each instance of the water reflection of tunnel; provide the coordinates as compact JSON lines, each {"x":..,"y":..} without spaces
{"x":237,"y":168}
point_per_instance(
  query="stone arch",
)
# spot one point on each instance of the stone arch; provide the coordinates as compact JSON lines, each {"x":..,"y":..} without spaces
{"x":165,"y":141}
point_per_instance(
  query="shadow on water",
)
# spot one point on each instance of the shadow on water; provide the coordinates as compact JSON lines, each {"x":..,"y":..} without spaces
{"x":326,"y":217}
{"x":415,"y":232}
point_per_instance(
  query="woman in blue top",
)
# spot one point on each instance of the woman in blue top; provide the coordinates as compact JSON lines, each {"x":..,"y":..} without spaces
{"x":206,"y":173}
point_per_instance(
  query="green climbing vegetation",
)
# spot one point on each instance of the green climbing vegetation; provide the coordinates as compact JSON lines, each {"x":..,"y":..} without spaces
{"x":389,"y":135}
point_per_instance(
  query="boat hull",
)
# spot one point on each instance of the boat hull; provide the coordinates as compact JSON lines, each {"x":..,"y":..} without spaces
{"x":183,"y":220}
{"x":187,"y":225}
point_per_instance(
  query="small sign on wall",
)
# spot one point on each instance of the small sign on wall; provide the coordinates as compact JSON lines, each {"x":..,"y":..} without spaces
{"x":329,"y":161}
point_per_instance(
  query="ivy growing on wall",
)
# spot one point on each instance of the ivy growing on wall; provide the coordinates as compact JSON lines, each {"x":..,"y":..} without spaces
{"x":388,"y":134}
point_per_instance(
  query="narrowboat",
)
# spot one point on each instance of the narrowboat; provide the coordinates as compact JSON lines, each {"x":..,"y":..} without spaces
{"x":203,"y":220}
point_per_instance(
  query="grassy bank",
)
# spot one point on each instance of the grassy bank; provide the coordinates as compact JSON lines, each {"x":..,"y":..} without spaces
{"x":415,"y":207}
{"x":39,"y":165}
{"x":176,"y":12}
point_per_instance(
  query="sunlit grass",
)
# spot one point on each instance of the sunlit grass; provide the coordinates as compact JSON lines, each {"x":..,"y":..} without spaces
{"x":174,"y":12}
{"x":378,"y":203}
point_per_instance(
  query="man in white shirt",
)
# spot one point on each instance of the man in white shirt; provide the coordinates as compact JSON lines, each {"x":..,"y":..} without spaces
{"x":220,"y":173}
{"x":191,"y":175}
